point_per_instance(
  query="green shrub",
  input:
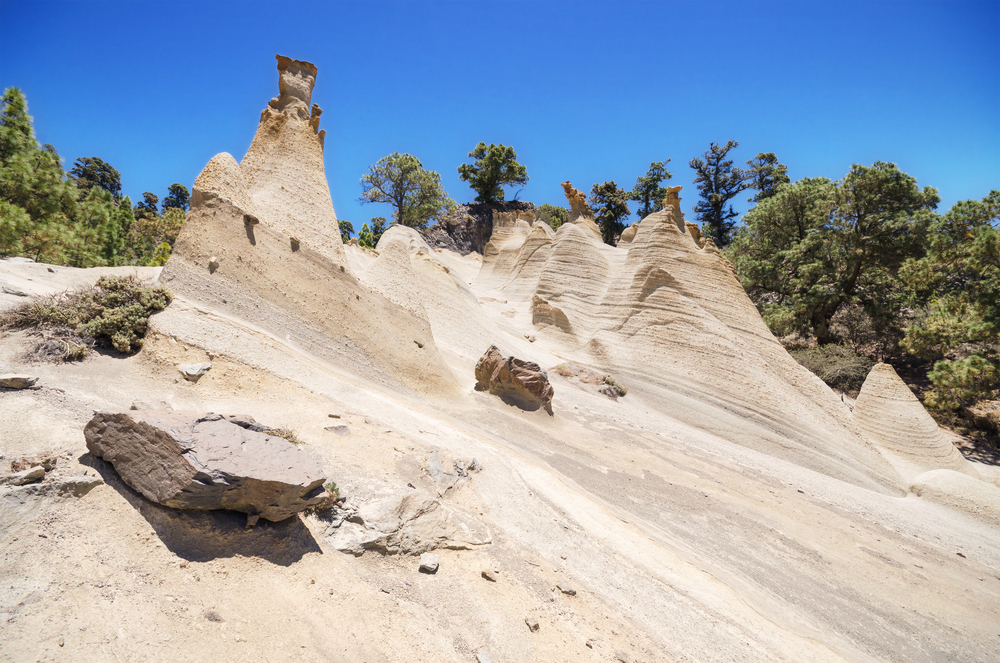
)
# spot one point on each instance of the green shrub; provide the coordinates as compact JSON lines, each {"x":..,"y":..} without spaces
{"x":114,"y":312}
{"x":837,"y":365}
{"x":620,"y":389}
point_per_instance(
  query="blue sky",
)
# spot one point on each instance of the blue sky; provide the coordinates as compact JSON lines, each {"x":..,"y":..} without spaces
{"x":585,"y":91}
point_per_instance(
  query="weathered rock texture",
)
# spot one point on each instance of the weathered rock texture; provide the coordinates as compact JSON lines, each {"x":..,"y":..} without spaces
{"x":892,"y":417}
{"x":268,"y":226}
{"x":189,"y":461}
{"x":408,"y":525}
{"x":515,"y":381}
{"x":666,"y":310}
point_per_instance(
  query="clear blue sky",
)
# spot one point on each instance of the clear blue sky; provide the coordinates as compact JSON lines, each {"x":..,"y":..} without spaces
{"x":583,"y":91}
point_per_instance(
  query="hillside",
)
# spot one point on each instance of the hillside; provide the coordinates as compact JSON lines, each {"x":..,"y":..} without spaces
{"x":728,"y":507}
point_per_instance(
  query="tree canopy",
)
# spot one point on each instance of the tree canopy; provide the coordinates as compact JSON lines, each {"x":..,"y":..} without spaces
{"x":495,"y":167}
{"x":765,"y":175}
{"x":553,"y":215}
{"x":648,"y":192}
{"x":610,"y":205}
{"x":177,"y":197}
{"x":346,"y":230}
{"x":147,"y":207}
{"x":90,"y":172}
{"x":959,"y":325}
{"x":401,"y":181}
{"x":815,"y":246}
{"x":718,"y":182}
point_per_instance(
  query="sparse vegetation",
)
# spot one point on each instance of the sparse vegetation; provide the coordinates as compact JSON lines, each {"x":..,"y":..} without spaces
{"x":285,"y":433}
{"x":837,"y":365}
{"x":619,"y":388}
{"x":112,"y":313}
{"x":553,"y":215}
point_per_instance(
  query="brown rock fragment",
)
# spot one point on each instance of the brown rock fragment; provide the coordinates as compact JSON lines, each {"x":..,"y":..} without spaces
{"x":188,"y":460}
{"x":515,"y":381}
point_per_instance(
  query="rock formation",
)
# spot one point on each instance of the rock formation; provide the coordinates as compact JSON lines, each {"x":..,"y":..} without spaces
{"x":268,"y":226}
{"x":892,"y":417}
{"x":470,"y":226}
{"x":515,"y":381}
{"x":410,"y":524}
{"x":666,"y":310}
{"x":189,"y":461}
{"x":577,"y":201}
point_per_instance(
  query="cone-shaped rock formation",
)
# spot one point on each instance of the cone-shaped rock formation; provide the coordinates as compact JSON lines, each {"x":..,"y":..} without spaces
{"x":892,"y":417}
{"x":261,"y":243}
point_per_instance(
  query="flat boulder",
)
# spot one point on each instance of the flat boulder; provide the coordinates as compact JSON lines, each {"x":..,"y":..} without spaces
{"x":15,"y":381}
{"x":515,"y":381}
{"x":190,"y":460}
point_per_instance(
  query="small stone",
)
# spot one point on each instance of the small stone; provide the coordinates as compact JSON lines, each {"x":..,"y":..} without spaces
{"x":340,"y":430}
{"x":429,"y":562}
{"x":590,"y":644}
{"x":252,"y":519}
{"x":386,"y":588}
{"x":490,"y":575}
{"x":532,"y":623}
{"x":60,"y":641}
{"x":213,"y":263}
{"x":531,"y":339}
{"x":213,"y":616}
{"x":141,"y":405}
{"x":623,"y":657}
{"x":334,"y":416}
{"x":566,"y":588}
{"x":193,"y":372}
{"x":15,"y":292}
{"x":47,"y":461}
{"x":30,"y":475}
{"x":483,"y":658}
{"x":53,"y":272}
{"x":15,"y":381}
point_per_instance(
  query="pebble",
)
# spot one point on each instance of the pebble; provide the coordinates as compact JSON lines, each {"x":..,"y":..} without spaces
{"x":490,"y":575}
{"x":623,"y":657}
{"x":532,"y":623}
{"x":429,"y":562}
{"x":483,"y":658}
{"x":340,"y":430}
{"x":566,"y":588}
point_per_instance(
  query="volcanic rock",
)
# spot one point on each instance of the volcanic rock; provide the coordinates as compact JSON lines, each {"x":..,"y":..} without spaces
{"x":188,"y":460}
{"x":14,"y":381}
{"x":515,"y":381}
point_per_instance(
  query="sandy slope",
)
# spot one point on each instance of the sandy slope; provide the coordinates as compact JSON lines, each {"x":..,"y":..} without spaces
{"x":729,"y":508}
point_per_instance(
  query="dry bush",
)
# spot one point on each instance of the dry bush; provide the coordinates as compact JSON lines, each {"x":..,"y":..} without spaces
{"x":114,"y":312}
{"x":837,"y":365}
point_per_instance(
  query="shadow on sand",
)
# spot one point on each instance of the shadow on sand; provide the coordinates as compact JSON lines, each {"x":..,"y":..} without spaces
{"x":201,"y":536}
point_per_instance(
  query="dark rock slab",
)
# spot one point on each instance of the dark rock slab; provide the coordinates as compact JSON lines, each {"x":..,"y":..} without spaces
{"x":515,"y":381}
{"x":189,"y":460}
